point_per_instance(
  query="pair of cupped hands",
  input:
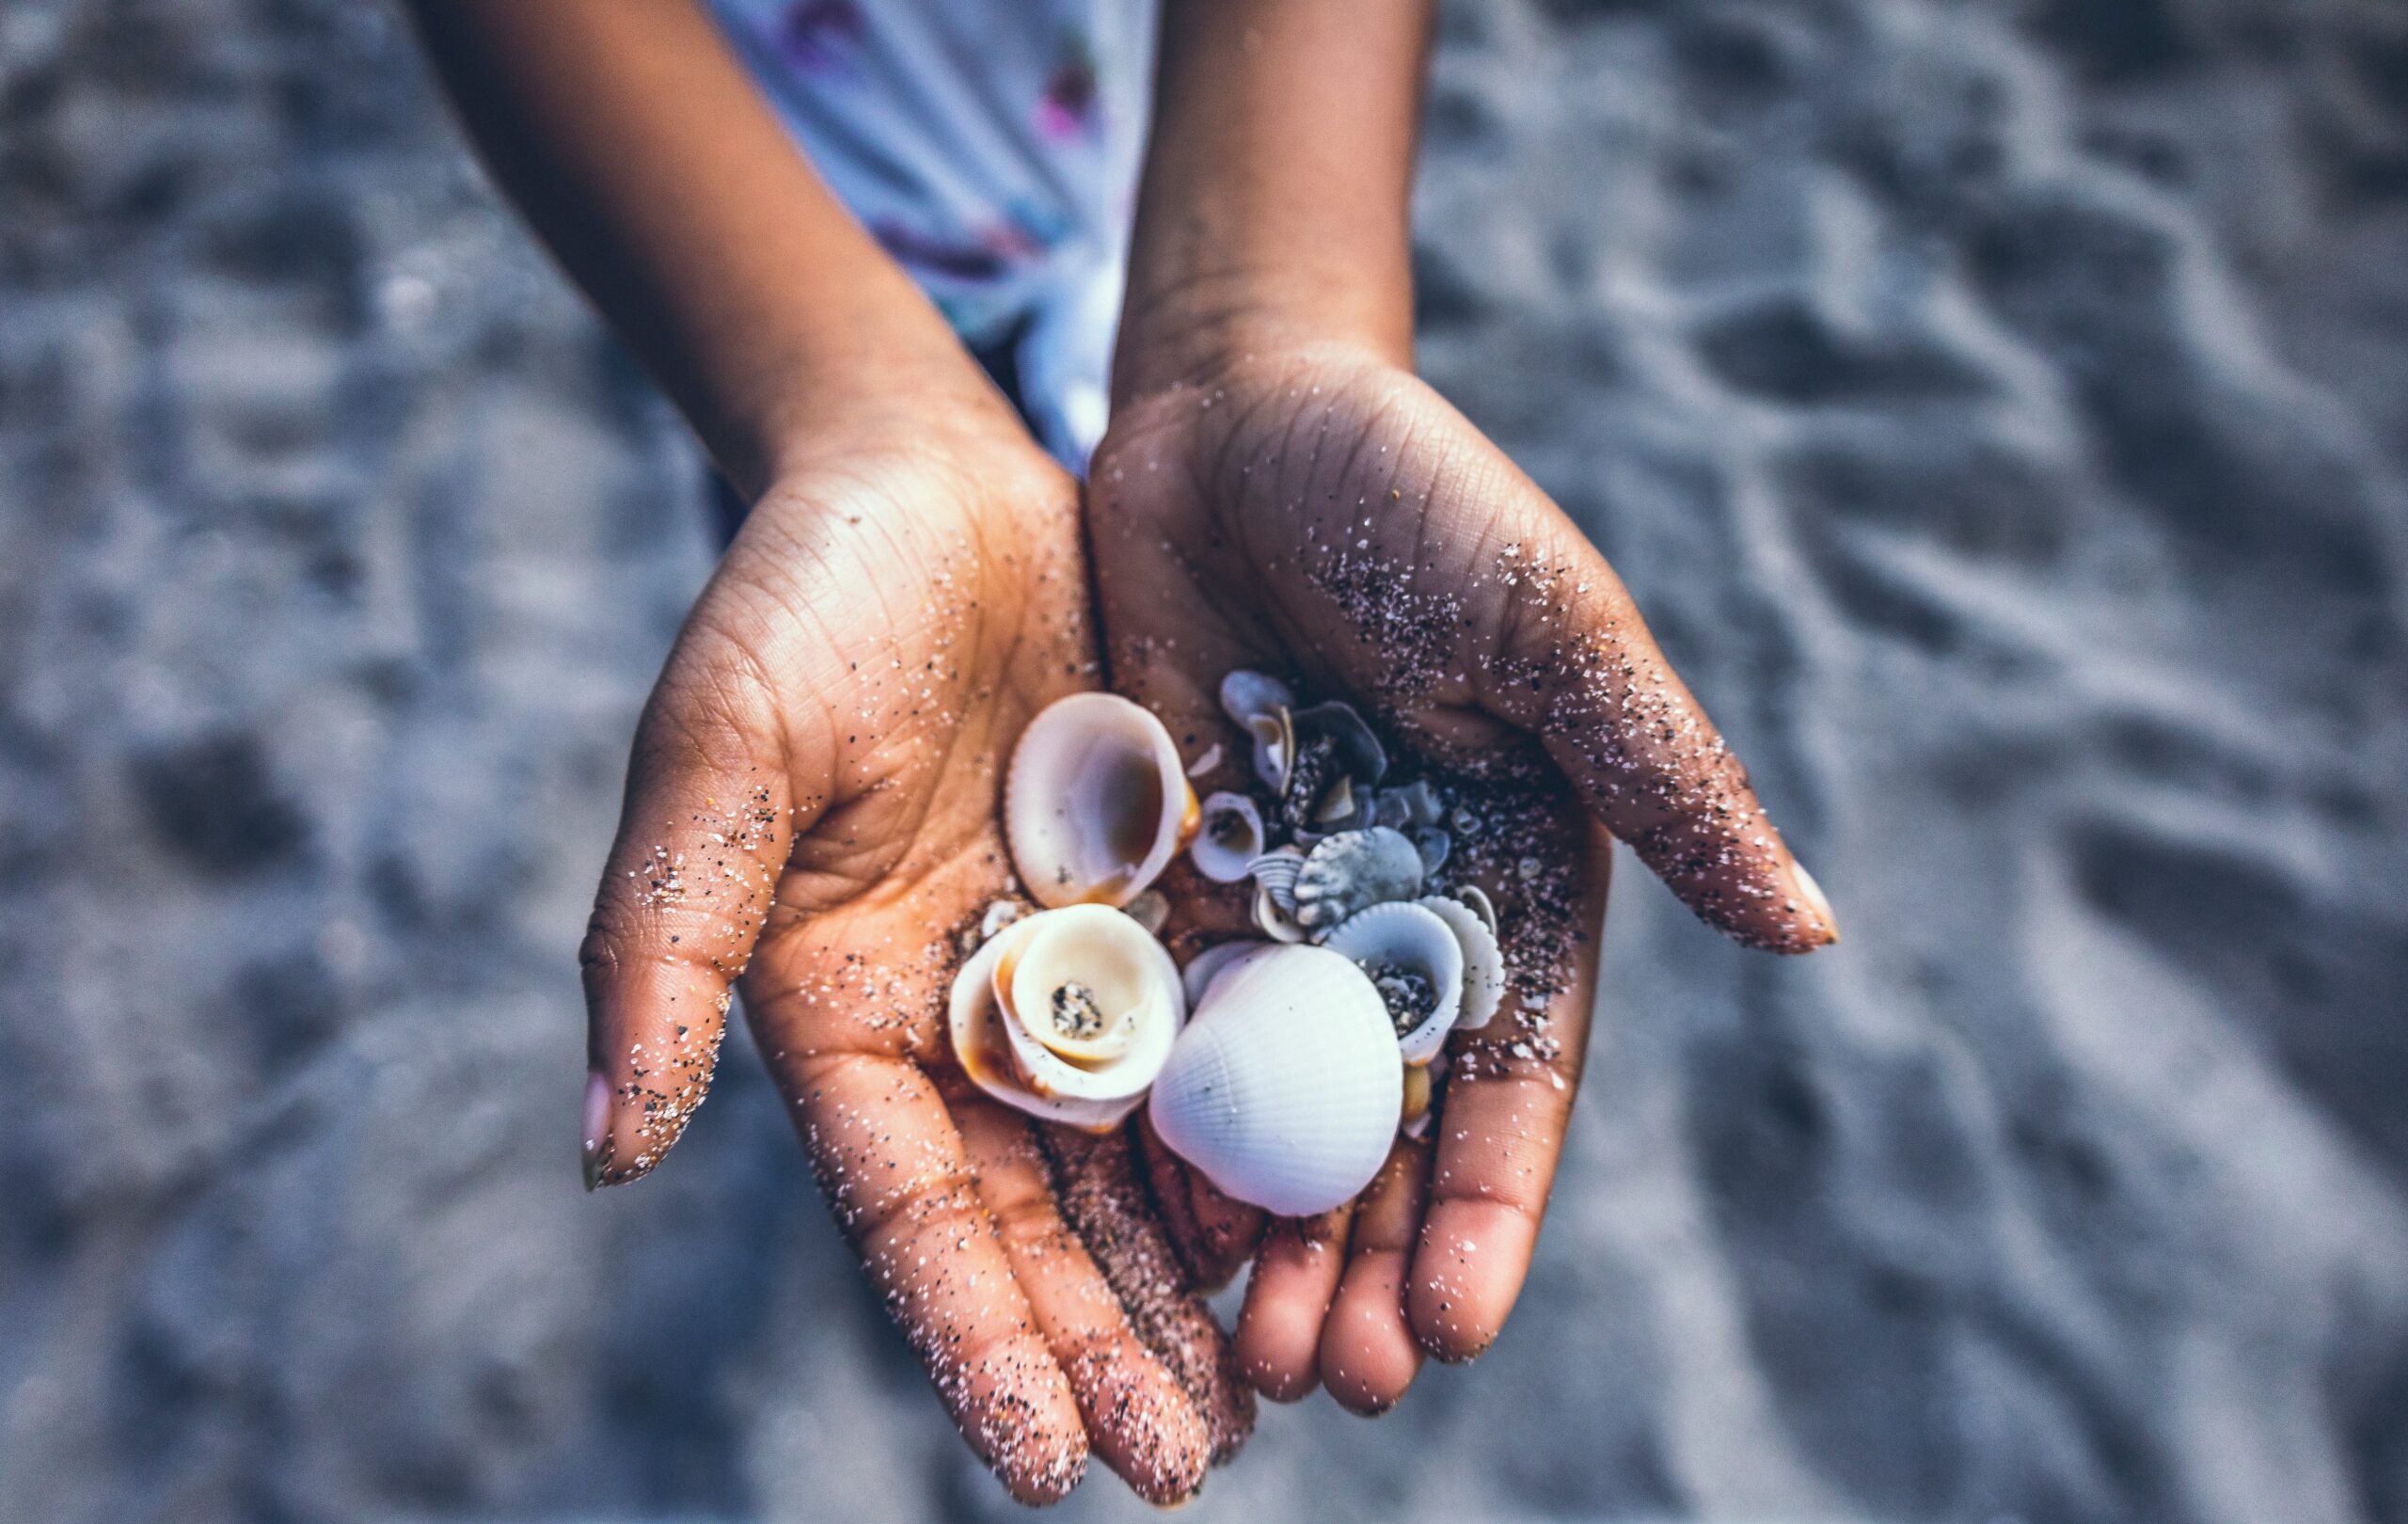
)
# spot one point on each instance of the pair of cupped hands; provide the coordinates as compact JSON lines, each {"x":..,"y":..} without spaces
{"x":812,"y":815}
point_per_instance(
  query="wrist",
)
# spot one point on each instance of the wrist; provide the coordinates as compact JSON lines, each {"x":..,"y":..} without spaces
{"x":1195,"y":327}
{"x":884,"y":395}
{"x":1273,"y":208}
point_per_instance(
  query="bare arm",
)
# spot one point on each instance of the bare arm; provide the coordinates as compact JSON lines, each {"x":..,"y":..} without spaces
{"x":1278,"y":489}
{"x":630,"y":137}
{"x":812,"y":796}
{"x":1276,"y":188}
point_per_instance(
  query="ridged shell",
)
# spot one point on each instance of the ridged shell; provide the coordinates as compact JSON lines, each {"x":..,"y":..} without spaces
{"x":1413,"y":937}
{"x":1286,"y":1089}
{"x":1271,"y":920}
{"x":1208,"y":965}
{"x":1096,"y":803}
{"x":1277,"y":871}
{"x":1483,"y":959}
{"x":1089,"y":1080}
{"x":1230,"y":838}
{"x":1349,"y":874}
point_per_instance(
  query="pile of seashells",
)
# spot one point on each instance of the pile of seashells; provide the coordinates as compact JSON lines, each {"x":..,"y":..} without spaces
{"x":1310,"y":1045}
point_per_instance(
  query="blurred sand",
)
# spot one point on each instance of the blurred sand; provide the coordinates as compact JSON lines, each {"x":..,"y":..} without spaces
{"x":2001,"y":409}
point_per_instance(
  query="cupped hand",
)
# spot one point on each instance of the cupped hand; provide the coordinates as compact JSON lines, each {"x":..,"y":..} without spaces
{"x":1315,"y":510}
{"x":812,"y":805}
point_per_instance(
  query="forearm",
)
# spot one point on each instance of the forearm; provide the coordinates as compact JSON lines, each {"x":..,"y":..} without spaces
{"x":638,"y":149}
{"x":1275,"y":197}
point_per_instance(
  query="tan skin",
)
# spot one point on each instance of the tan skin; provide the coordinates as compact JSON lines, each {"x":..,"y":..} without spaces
{"x":811,"y":799}
{"x":812,"y":796}
{"x":1268,"y":437}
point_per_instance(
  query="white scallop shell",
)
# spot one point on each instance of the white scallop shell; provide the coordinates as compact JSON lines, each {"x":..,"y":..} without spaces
{"x":1286,"y":1089}
{"x":1097,"y":801}
{"x":1483,"y":959}
{"x":1091,"y":1079}
{"x":1416,"y":937}
{"x":1230,"y":838}
{"x":1212,"y":962}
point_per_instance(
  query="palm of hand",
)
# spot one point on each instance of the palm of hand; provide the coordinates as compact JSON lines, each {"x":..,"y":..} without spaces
{"x":832,"y":722}
{"x":1326,"y":515}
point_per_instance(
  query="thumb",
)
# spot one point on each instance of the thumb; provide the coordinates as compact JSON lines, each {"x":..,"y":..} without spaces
{"x":702,"y":836}
{"x":1583,"y":675}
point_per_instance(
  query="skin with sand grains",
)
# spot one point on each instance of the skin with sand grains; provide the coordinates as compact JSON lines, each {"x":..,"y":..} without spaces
{"x":929,"y":601}
{"x":1317,"y":510}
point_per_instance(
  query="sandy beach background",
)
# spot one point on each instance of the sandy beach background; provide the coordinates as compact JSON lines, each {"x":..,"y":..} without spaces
{"x":2000,"y":409}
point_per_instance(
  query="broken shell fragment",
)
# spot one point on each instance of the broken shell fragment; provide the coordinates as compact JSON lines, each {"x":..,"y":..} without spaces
{"x":1284,"y":1090}
{"x":1414,"y":958}
{"x":1347,"y":874}
{"x":1096,"y":803}
{"x":1068,"y":1014}
{"x":1230,"y":838}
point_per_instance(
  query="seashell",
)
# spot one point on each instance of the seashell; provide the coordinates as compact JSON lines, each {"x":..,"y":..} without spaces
{"x":999,"y":914}
{"x":1417,"y":1096}
{"x":1150,"y":910}
{"x":1247,"y":696}
{"x":1277,"y":871}
{"x":1349,"y":873}
{"x":1284,"y":1090}
{"x":1477,"y":897}
{"x":1433,"y":845}
{"x":1412,"y":957}
{"x":1275,"y":921}
{"x":1275,"y":749}
{"x":1068,"y":1014}
{"x":1230,"y":839}
{"x":1483,"y":958}
{"x":1096,"y":803}
{"x":1413,"y":804}
{"x":1212,"y":962}
{"x":1359,"y":754}
{"x":1257,"y":704}
{"x":1202,"y":765}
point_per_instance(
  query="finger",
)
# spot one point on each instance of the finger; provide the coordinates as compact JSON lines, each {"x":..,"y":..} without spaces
{"x":1499,"y":1132}
{"x":702,"y":836}
{"x":1287,"y":1301}
{"x":897,"y":1177}
{"x":1140,"y":1419}
{"x":1096,"y":1180}
{"x":1212,"y":1234}
{"x":1368,"y":1354}
{"x":1579,"y":670}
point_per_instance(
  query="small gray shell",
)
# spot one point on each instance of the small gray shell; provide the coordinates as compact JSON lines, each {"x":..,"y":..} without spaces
{"x":1247,"y":696}
{"x":1360,"y":756}
{"x":1415,"y":804}
{"x":1433,"y":845}
{"x":1352,"y":872}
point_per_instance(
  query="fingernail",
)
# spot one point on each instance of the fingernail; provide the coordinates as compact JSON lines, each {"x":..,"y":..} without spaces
{"x":597,"y":1127}
{"x":1811,"y":892}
